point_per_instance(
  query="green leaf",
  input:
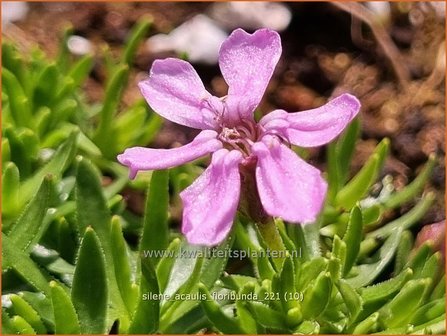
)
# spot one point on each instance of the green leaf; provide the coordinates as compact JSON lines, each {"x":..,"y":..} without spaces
{"x":92,"y":211}
{"x":420,"y":256}
{"x":146,"y":317}
{"x":346,"y":147}
{"x":308,"y":328}
{"x":384,"y":290}
{"x":412,"y":189}
{"x":165,"y":265}
{"x":90,"y":289}
{"x":46,"y":82}
{"x":359,"y":185}
{"x":10,"y":190}
{"x":248,"y":239}
{"x":80,"y":70}
{"x":310,"y":271}
{"x":7,"y":327}
{"x":24,"y":309}
{"x":22,"y":326}
{"x":403,"y":251}
{"x":339,"y":250}
{"x":287,"y":285}
{"x":352,"y":299}
{"x":429,"y":312}
{"x":266,"y":316}
{"x":400,"y":310}
{"x":58,"y":163}
{"x":155,"y":227}
{"x":65,"y":318}
{"x":367,"y":325}
{"x":406,"y":221}
{"x":368,"y":272}
{"x":439,"y":290}
{"x":19,"y":261}
{"x":219,"y":319}
{"x":317,"y":295}
{"x":352,"y":238}
{"x":42,"y":305}
{"x":18,"y":101}
{"x":121,"y":259}
{"x":136,"y":35}
{"x":29,"y":227}
{"x":214,"y":266}
{"x":103,"y":137}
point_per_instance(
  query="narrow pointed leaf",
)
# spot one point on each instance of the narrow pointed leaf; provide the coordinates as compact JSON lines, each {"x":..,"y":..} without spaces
{"x":58,"y":163}
{"x":25,"y":310}
{"x":30,"y":227}
{"x":65,"y":318}
{"x":90,"y":290}
{"x":155,"y":226}
{"x":352,"y":238}
{"x":146,"y":317}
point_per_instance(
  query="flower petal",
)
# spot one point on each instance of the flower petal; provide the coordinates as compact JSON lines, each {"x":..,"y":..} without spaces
{"x":140,"y":158}
{"x":247,"y":62}
{"x":288,"y":187}
{"x":175,"y":91}
{"x":313,"y":127}
{"x":210,"y":203}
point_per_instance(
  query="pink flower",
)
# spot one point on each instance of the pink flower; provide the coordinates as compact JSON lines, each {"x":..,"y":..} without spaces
{"x":287,"y":186}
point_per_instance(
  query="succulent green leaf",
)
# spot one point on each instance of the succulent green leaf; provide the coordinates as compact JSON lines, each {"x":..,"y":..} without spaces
{"x":367,"y":325}
{"x":25,"y":310}
{"x":406,"y":221}
{"x":92,"y":211}
{"x":146,"y":317}
{"x":65,"y":318}
{"x":10,"y":190}
{"x":19,"y":103}
{"x":90,"y":289}
{"x":287,"y":285}
{"x":317,"y":295}
{"x":21,"y":326}
{"x":266,"y":316}
{"x":29,"y":227}
{"x":368,"y":272}
{"x":166,"y":263}
{"x":359,"y":185}
{"x":58,"y":163}
{"x":103,"y":137}
{"x":352,"y":299}
{"x":21,"y":263}
{"x":385,"y":290}
{"x":403,"y":251}
{"x":352,"y":238}
{"x":310,"y":271}
{"x":219,"y":319}
{"x":429,"y":311}
{"x":412,"y":189}
{"x":136,"y":35}
{"x":155,"y":227}
{"x":121,"y":259}
{"x":400,"y":310}
{"x":308,"y":327}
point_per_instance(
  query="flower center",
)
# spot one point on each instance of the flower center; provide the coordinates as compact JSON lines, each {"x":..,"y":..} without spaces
{"x":240,"y":137}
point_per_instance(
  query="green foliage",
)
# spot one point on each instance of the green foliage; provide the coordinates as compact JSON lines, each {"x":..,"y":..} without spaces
{"x":76,"y":259}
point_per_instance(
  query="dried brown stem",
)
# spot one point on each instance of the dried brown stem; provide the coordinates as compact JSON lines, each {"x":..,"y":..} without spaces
{"x":383,"y":39}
